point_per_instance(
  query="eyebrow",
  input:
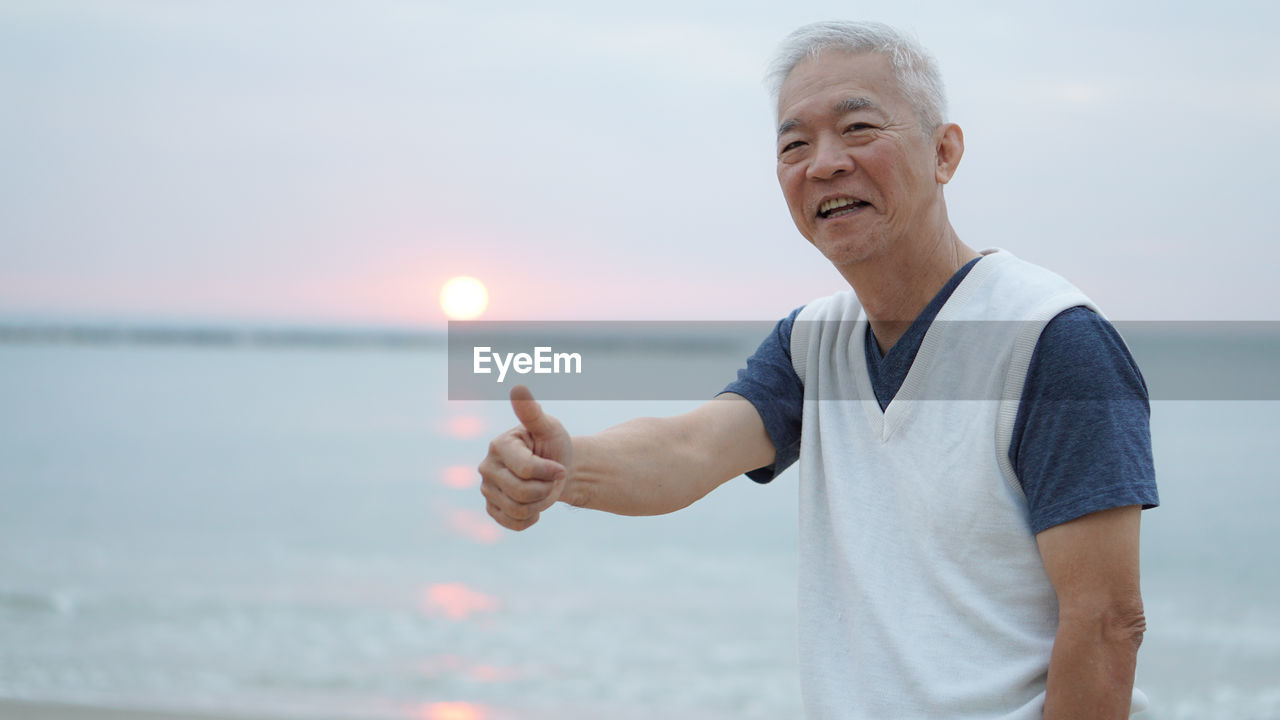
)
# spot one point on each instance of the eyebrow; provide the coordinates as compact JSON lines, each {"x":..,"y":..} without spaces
{"x":849,"y":105}
{"x":846,"y":105}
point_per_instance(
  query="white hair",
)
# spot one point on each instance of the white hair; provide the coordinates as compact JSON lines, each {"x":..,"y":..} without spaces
{"x":914,"y":68}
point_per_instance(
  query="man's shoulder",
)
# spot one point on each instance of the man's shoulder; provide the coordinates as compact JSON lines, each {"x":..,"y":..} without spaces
{"x":1007,"y":289}
{"x":1081,"y":352}
{"x":842,"y":305}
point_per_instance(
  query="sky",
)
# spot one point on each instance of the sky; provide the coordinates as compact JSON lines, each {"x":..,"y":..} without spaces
{"x":337,"y":162}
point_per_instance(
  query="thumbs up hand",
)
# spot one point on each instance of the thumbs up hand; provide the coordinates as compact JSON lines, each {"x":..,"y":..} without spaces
{"x":527,"y":466}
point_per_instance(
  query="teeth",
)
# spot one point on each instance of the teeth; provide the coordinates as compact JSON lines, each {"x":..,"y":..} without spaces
{"x":835,"y":204}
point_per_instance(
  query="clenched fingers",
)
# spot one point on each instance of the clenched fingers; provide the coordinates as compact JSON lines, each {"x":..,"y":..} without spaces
{"x":514,"y":514}
{"x":512,"y":450}
{"x":515,"y":495}
{"x":517,"y":484}
{"x":508,"y":522}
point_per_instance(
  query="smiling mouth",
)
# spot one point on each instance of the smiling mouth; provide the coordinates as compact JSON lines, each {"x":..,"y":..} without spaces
{"x":840,"y":207}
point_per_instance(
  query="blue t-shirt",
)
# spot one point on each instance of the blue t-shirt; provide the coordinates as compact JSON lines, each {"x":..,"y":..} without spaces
{"x":1074,"y":452}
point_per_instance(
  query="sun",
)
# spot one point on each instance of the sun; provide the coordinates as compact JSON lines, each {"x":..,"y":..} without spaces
{"x":463,"y":298}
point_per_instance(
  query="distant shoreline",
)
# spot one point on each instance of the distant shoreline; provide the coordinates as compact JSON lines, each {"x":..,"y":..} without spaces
{"x":33,"y":710}
{"x":214,"y":336}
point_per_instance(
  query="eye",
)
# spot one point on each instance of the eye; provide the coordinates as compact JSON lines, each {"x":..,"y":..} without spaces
{"x":791,"y":146}
{"x":857,"y":127}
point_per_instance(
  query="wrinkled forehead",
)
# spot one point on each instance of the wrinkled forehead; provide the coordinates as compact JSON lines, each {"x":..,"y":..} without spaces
{"x":864,"y":74}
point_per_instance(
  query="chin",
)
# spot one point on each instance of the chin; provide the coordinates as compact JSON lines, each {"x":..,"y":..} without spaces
{"x":847,"y":252}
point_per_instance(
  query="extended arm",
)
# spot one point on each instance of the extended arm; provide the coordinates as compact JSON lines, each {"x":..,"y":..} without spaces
{"x":1093,"y":564}
{"x":651,"y":466}
{"x":647,"y":466}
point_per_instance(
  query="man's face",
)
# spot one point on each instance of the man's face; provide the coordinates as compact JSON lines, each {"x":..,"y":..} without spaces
{"x":857,"y":171}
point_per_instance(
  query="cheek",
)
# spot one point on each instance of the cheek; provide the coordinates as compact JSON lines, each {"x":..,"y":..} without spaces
{"x":785,"y":173}
{"x":877,"y":167}
{"x":791,"y":180}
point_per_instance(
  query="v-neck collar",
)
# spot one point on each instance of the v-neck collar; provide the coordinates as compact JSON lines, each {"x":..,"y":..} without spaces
{"x":888,"y":371}
{"x":899,"y":408}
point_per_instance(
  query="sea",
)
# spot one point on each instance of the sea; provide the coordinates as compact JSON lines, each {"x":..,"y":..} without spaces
{"x":296,"y":530}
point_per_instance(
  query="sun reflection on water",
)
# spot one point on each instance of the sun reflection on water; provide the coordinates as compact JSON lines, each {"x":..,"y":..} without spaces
{"x":455,"y":601}
{"x":456,"y":666}
{"x":473,"y":525}
{"x":451,"y":711}
{"x":460,"y":477}
{"x":464,"y":427}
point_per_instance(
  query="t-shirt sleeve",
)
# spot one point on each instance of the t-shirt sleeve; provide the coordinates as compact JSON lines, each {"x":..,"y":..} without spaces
{"x":1081,"y":440}
{"x":770,"y":383}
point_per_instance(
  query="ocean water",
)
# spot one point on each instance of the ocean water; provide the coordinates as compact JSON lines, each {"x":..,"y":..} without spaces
{"x":298,"y":531}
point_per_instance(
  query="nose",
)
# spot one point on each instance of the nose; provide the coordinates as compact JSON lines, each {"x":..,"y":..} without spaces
{"x":831,"y":158}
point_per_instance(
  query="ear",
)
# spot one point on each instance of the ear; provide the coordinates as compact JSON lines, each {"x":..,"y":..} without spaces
{"x":948,"y":143}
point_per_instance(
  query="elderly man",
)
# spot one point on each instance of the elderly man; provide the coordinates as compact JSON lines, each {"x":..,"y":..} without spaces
{"x":973,"y":437}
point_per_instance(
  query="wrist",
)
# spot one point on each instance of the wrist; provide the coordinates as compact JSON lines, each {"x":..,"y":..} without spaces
{"x":576,"y":487}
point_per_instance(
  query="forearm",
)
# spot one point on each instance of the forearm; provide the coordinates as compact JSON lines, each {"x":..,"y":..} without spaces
{"x":651,"y":466}
{"x":647,"y":466}
{"x":1092,"y":666}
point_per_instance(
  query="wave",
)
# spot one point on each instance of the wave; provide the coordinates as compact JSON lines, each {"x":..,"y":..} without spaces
{"x":58,"y":602}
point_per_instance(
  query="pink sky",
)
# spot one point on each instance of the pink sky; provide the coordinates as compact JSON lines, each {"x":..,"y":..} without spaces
{"x":337,"y":166}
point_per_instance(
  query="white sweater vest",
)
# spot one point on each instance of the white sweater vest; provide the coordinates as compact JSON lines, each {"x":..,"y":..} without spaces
{"x":921,"y":590}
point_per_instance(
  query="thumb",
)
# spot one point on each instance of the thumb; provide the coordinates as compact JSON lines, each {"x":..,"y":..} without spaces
{"x":529,"y":412}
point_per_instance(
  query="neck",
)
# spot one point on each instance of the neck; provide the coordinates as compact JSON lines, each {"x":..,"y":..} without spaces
{"x":894,"y":286}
